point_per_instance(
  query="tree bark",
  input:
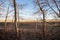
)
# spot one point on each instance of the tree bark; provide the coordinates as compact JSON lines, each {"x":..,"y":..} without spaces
{"x":15,"y":21}
{"x":44,"y":27}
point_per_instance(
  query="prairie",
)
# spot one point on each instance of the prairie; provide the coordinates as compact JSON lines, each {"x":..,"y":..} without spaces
{"x":28,"y":31}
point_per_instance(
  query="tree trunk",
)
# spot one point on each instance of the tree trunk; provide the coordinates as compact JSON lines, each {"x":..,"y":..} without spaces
{"x":44,"y":27}
{"x":15,"y":21}
{"x":6,"y":17}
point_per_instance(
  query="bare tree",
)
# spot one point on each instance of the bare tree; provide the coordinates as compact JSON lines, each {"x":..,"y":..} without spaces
{"x":18,"y":16}
{"x":2,"y":2}
{"x":15,"y":10}
{"x":56,"y":4}
{"x":6,"y":16}
{"x":42,"y":11}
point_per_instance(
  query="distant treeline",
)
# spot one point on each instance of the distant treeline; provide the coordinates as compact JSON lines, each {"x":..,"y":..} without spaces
{"x":30,"y":24}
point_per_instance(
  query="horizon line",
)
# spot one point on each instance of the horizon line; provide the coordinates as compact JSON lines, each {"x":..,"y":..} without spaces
{"x":49,"y":20}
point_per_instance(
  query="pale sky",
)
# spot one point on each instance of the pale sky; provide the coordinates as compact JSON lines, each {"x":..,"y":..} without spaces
{"x":27,"y":11}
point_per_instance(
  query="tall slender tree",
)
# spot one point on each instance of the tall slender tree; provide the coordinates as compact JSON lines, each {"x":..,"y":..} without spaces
{"x":7,"y":16}
{"x":41,"y":9}
{"x":15,"y":10}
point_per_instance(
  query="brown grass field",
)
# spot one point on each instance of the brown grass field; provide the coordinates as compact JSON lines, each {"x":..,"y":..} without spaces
{"x":27,"y":31}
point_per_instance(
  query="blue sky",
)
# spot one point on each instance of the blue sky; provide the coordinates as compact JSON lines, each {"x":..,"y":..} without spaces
{"x":28,"y":10}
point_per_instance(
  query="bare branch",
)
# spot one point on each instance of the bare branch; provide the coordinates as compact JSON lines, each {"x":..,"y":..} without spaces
{"x":52,"y":9}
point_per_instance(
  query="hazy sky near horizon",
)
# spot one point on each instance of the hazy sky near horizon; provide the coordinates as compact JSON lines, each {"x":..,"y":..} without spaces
{"x":26,"y":12}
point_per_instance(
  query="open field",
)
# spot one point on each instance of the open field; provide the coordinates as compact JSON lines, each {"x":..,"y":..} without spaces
{"x":27,"y":31}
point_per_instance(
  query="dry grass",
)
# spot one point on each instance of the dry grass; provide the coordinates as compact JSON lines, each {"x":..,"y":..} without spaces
{"x":28,"y":34}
